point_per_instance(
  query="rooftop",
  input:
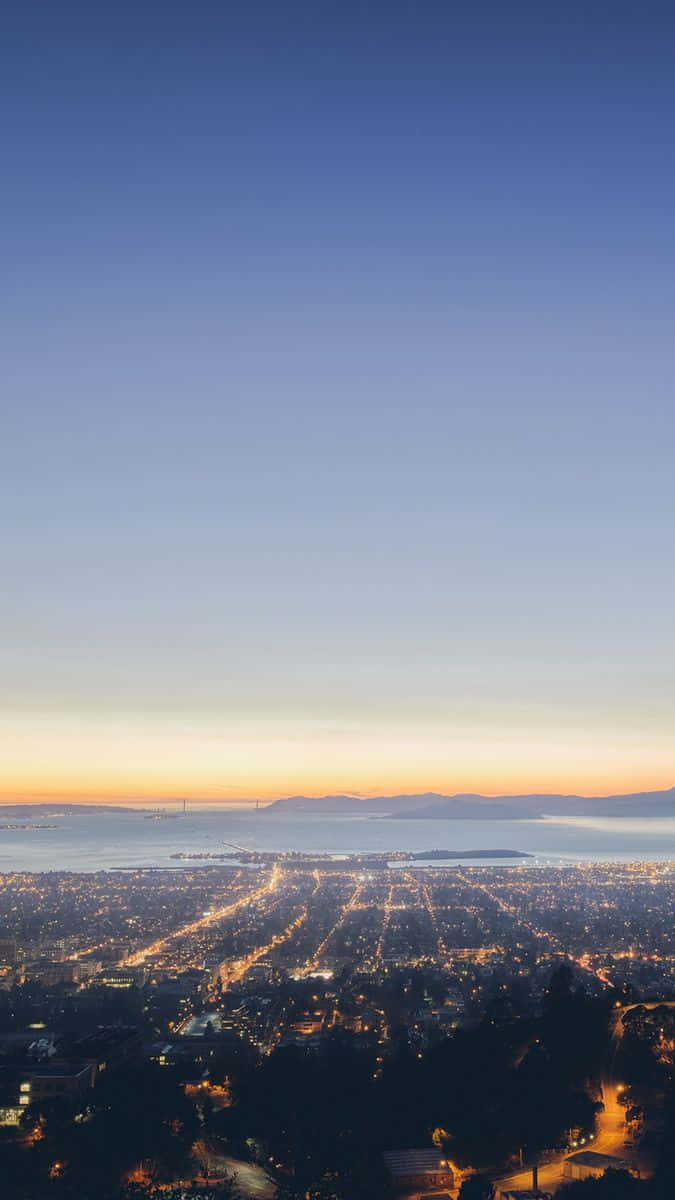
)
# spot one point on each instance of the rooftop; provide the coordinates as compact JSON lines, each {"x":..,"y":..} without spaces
{"x":61,"y":1070}
{"x":591,"y":1158}
{"x":414,"y":1162}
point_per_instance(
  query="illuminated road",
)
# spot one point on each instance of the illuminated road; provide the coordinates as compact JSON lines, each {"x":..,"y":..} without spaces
{"x":230,"y":972}
{"x":428,"y":904}
{"x":211,"y":918}
{"x":386,"y":918}
{"x":611,"y":1129}
{"x":84,"y":951}
{"x":514,"y":913}
{"x":610,"y":1138}
{"x":313,"y":963}
{"x":600,"y":973}
{"x":584,"y":962}
{"x":618,"y":1030}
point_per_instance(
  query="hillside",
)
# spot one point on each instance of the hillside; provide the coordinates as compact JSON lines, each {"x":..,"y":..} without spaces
{"x":472,"y":806}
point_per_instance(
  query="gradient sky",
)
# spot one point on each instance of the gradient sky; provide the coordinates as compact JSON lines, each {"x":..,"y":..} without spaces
{"x":338,"y":419}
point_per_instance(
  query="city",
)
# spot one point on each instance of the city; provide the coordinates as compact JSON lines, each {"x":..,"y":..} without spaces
{"x":507,"y":1025}
{"x":337,"y":651}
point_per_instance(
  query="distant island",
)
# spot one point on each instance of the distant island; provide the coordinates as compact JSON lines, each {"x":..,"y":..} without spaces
{"x":27,"y":825}
{"x":372,"y":859}
{"x":62,"y":810}
{"x":339,"y":862}
{"x":443,"y":855}
{"x":472,"y":806}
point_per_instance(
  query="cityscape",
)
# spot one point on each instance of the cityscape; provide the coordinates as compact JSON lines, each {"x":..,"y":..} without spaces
{"x":337,"y":650}
{"x":529,"y":1010}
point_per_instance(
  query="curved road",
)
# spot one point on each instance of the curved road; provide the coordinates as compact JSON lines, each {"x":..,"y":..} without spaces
{"x":611,"y":1131}
{"x":610,"y":1138}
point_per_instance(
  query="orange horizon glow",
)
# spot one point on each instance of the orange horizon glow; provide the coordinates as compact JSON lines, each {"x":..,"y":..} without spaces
{"x":236,"y":762}
{"x":137,"y":798}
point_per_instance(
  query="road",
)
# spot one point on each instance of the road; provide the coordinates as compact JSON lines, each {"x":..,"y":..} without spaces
{"x":232,"y":970}
{"x":610,"y":1138}
{"x":619,"y":1013}
{"x":210,"y":918}
{"x":611,"y":1131}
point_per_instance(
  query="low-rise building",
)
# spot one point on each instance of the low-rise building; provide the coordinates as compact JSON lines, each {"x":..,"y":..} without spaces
{"x":417,"y":1170}
{"x":109,"y":1046}
{"x":587,"y":1164}
{"x":7,"y":949}
{"x":121,"y":977}
{"x":32,"y":1083}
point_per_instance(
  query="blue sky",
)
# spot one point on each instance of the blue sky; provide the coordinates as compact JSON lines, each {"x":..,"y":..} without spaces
{"x":338,"y":421}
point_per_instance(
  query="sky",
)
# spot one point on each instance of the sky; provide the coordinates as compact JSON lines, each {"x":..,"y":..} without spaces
{"x":338,"y":420}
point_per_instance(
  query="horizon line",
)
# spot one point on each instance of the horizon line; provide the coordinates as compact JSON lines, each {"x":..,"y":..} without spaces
{"x":154,"y":802}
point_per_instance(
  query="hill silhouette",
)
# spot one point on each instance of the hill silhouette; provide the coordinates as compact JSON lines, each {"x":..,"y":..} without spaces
{"x":473,"y":806}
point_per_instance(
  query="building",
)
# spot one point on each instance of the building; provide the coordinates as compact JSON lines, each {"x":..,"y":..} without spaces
{"x":418,"y":1170}
{"x":53,"y":974}
{"x":588,"y":1164}
{"x":7,"y":950}
{"x":121,"y":977}
{"x":162,"y":1053}
{"x":34,"y":1083}
{"x":54,"y":1081}
{"x":108,"y":1047}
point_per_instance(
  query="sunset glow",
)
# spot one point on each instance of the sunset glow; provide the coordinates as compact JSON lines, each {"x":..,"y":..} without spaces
{"x":239,"y":762}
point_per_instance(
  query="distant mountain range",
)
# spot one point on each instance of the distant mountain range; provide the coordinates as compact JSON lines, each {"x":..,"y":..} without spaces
{"x":471,"y":806}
